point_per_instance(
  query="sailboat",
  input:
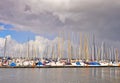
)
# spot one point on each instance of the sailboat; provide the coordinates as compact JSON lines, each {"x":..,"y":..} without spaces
{"x":68,"y":63}
{"x":26,"y":62}
{"x":13,"y":63}
{"x":93,"y":62}
{"x":60,"y":43}
{"x":79,"y":62}
{"x":19,"y":60}
{"x":110,"y":57}
{"x":5,"y":58}
{"x":103,"y":62}
{"x":53,"y":60}
{"x":41,"y":62}
{"x":116,"y":62}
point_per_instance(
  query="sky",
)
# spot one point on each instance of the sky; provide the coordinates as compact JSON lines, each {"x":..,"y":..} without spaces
{"x":20,"y":36}
{"x":30,"y":18}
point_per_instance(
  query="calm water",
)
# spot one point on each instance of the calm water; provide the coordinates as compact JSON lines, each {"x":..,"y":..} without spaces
{"x":60,"y":75}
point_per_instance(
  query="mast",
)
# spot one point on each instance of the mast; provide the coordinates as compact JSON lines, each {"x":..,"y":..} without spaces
{"x":80,"y":55}
{"x":69,"y":47}
{"x":62,"y":45}
{"x":107,"y":54}
{"x":72,"y":46}
{"x":77,"y":49}
{"x":19,"y":52}
{"x":86,"y":48}
{"x":110,"y":55}
{"x":93,"y":50}
{"x":116,"y":60}
{"x":28,"y":49}
{"x":35,"y":51}
{"x":53,"y":56}
{"x":5,"y":46}
{"x":58,"y":47}
{"x":32,"y":51}
{"x":46,"y":52}
{"x":39,"y":55}
{"x":98,"y":58}
{"x":102,"y":51}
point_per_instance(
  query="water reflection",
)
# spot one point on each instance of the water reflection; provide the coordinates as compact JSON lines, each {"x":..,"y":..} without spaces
{"x":108,"y":74}
{"x":60,"y":75}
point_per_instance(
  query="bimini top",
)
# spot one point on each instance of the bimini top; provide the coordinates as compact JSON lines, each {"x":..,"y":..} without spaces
{"x":13,"y":64}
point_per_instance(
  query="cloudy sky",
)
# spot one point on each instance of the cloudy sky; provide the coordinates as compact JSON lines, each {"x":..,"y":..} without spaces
{"x":29,"y":18}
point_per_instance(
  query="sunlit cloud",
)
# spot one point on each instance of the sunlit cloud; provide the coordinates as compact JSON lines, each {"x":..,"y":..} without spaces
{"x":51,"y":16}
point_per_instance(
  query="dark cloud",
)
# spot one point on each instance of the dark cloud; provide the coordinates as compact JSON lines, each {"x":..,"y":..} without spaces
{"x":100,"y":17}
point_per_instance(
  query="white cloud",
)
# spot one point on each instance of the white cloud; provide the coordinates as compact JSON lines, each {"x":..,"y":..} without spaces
{"x":13,"y":48}
{"x":1,"y":28}
{"x":100,"y":17}
{"x":40,"y":46}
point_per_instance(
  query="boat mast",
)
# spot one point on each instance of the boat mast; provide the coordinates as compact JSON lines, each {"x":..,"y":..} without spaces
{"x":110,"y":54}
{"x":93,"y":50}
{"x":62,"y":46}
{"x":86,"y":48}
{"x":5,"y":46}
{"x":72,"y":48}
{"x":53,"y":56}
{"x":107,"y":54}
{"x":32,"y":51}
{"x":116,"y":55}
{"x":28,"y":49}
{"x":69,"y":48}
{"x":35,"y":51}
{"x":80,"y":54}
{"x":99,"y":52}
{"x":58,"y":47}
{"x":102,"y":50}
{"x":19,"y":52}
{"x":46,"y":52}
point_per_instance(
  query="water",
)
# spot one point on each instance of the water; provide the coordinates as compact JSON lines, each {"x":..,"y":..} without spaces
{"x":59,"y":75}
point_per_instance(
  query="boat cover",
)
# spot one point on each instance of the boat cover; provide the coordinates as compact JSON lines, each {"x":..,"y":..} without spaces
{"x":13,"y":64}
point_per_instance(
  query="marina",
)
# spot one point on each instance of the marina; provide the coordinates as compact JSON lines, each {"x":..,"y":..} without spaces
{"x":48,"y":63}
{"x":59,"y":41}
{"x":78,"y":51}
{"x":86,"y":53}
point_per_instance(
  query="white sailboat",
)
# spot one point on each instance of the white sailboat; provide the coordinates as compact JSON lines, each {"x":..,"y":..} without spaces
{"x":116,"y":62}
{"x":60,"y":51}
{"x":103,"y":62}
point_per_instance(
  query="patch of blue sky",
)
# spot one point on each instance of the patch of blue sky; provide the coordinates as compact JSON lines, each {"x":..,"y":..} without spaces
{"x":2,"y":24}
{"x":6,"y":26}
{"x":19,"y":36}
